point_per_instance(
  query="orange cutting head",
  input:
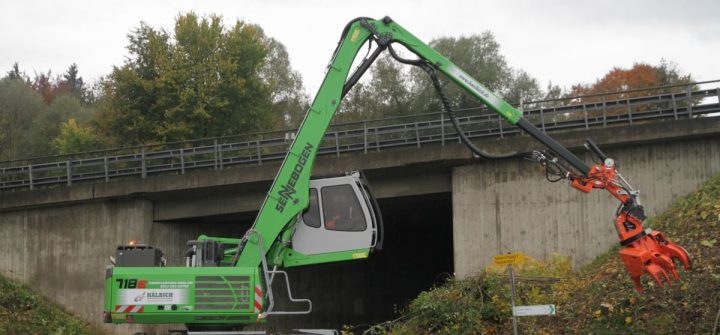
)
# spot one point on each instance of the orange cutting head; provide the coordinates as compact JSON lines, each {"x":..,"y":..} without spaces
{"x":643,"y":251}
{"x":654,"y":254}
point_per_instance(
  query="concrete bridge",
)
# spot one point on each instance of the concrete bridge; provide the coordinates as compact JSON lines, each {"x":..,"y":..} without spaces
{"x":445,"y":211}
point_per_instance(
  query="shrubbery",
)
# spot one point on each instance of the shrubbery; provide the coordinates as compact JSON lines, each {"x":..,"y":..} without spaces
{"x":23,"y":312}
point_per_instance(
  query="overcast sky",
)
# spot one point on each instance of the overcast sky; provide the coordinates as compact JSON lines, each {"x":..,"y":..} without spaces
{"x":565,"y":42}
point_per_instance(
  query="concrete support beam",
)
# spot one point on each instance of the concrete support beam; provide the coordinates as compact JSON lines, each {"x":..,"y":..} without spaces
{"x":210,"y":205}
{"x":508,"y":206}
{"x":187,"y":205}
{"x":412,"y":183}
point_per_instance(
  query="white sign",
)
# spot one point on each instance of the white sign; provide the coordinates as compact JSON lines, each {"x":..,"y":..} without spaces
{"x":534,"y":310}
{"x":152,"y":296}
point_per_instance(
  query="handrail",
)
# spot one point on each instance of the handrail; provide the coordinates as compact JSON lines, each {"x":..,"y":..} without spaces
{"x":340,"y":124}
{"x":364,"y":136}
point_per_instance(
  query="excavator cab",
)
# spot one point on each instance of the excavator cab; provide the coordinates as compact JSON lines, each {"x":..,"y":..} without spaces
{"x":342,"y":216}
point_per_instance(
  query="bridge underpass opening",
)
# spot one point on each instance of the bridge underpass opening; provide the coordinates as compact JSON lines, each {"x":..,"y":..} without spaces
{"x":417,"y":254}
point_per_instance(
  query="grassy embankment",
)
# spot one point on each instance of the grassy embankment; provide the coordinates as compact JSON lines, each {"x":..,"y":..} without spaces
{"x":598,"y":299}
{"x":23,"y":312}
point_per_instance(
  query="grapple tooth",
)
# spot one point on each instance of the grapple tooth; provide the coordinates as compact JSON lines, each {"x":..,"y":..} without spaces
{"x":653,"y":271}
{"x":637,"y":284}
{"x":665,"y":275}
{"x":667,"y":265}
{"x":672,"y":250}
{"x":677,"y":252}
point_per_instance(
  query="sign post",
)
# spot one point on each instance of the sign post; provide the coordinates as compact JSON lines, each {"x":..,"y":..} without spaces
{"x":512,"y":296}
{"x":510,"y":259}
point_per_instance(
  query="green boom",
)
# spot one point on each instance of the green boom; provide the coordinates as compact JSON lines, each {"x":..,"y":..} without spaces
{"x":288,"y":195}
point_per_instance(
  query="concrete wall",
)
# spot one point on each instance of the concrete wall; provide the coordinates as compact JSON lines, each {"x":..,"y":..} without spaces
{"x":508,"y":206}
{"x":62,"y":251}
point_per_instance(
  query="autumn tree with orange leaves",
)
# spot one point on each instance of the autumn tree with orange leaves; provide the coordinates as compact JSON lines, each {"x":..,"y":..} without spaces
{"x":639,"y":76}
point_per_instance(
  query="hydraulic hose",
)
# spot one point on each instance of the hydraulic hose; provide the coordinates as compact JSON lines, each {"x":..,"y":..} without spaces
{"x":446,"y":107}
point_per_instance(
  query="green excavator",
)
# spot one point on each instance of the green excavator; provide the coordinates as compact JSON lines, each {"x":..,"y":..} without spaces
{"x":227,"y":282}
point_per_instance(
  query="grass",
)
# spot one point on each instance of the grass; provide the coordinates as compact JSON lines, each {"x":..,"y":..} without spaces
{"x":24,"y":312}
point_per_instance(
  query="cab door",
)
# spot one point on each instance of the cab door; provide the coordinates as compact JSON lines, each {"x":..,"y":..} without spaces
{"x":338,"y":218}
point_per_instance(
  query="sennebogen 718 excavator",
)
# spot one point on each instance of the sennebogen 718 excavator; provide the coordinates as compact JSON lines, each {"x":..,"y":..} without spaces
{"x":227,"y":281}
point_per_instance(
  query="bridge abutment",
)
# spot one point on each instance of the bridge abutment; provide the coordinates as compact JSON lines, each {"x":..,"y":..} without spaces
{"x":62,"y":251}
{"x":508,"y":206}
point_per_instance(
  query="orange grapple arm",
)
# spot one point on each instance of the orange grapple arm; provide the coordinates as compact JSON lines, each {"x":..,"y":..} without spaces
{"x":643,"y":250}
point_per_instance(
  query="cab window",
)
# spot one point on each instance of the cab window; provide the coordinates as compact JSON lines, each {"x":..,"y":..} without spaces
{"x":341,"y":209}
{"x":311,"y":217}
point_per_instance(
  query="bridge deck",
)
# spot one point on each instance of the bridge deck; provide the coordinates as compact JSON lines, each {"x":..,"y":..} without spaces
{"x":416,"y":131}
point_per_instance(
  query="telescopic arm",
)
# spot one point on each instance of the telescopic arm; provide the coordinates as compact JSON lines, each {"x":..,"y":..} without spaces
{"x":288,"y":197}
{"x":643,"y":251}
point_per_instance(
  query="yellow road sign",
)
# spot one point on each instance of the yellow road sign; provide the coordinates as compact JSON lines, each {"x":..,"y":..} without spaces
{"x":514,"y":258}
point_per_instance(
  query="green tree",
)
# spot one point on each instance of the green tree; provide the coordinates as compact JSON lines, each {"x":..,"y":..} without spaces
{"x":554,"y":94}
{"x":522,"y":87}
{"x":202,"y":80}
{"x":72,"y":83}
{"x":75,"y":137}
{"x":386,"y":93}
{"x":47,"y":125}
{"x":31,"y":113}
{"x":357,"y":105}
{"x":19,"y":106}
{"x":390,"y":93}
{"x":669,"y":73}
{"x":286,"y":87}
{"x":394,"y":89}
{"x":479,"y":55}
{"x":16,"y":74}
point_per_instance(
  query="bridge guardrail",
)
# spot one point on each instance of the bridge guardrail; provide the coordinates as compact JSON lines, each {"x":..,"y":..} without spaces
{"x":367,"y":136}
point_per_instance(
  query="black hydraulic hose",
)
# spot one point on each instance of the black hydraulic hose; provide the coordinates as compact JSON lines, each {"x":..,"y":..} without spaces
{"x":355,"y":77}
{"x":446,"y":106}
{"x":413,"y":62}
{"x":590,"y":145}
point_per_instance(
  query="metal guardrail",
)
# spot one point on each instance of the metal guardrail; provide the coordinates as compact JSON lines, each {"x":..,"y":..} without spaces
{"x":362,"y":137}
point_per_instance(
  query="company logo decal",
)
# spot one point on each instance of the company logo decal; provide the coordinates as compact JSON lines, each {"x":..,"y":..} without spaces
{"x":355,"y":35}
{"x":152,"y":296}
{"x":287,"y":191}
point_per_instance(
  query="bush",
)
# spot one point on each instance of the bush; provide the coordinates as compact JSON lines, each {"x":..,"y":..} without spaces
{"x":478,"y":304}
{"x":24,"y":312}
